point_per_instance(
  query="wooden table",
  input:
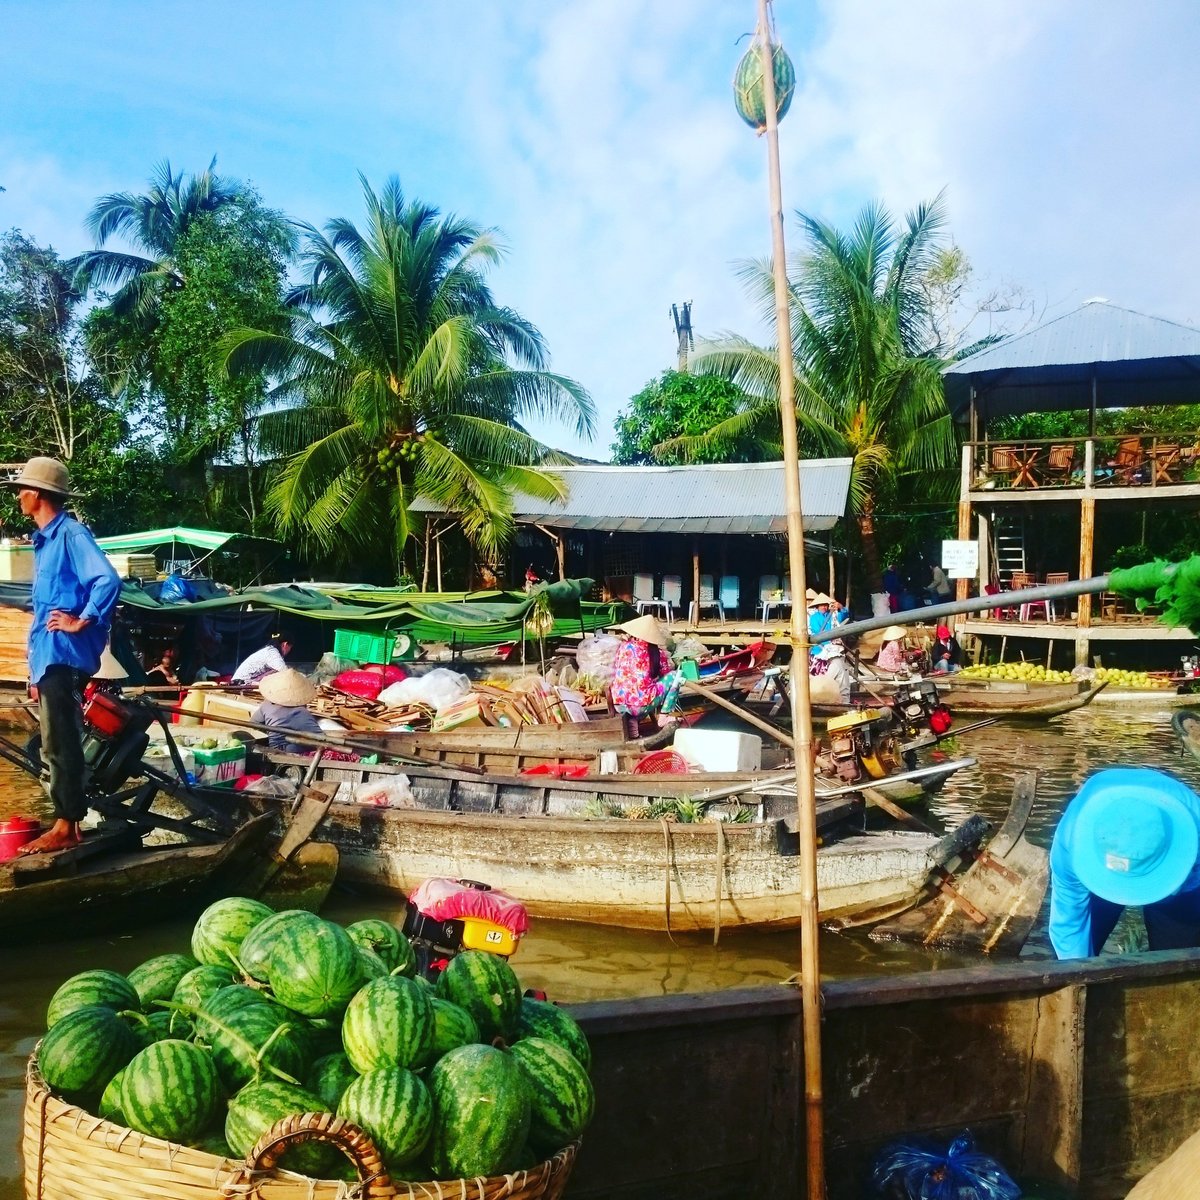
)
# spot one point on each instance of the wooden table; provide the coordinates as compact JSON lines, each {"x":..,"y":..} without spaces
{"x":1024,"y":460}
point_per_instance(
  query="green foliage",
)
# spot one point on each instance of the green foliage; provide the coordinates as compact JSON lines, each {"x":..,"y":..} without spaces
{"x":678,"y":404}
{"x":398,"y":377}
{"x":1131,"y":556}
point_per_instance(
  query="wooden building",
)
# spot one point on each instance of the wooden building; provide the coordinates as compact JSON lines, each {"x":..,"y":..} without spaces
{"x":1013,"y":492}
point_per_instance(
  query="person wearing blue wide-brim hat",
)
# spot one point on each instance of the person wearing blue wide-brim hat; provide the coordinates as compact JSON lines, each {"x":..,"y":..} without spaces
{"x":1129,"y":838}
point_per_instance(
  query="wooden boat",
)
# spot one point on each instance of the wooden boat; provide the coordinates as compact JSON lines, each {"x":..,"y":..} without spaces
{"x":1080,"y":1075}
{"x":531,"y":837}
{"x":1026,"y":701}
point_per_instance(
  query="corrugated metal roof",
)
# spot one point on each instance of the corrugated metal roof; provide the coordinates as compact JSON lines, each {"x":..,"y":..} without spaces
{"x":1135,"y":359}
{"x":725,"y":498}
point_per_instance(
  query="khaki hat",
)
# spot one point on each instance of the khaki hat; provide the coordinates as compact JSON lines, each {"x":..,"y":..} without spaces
{"x":109,"y":668}
{"x":45,"y":474}
{"x":809,"y":595}
{"x":892,"y":632}
{"x":287,"y":687}
{"x":647,"y":628}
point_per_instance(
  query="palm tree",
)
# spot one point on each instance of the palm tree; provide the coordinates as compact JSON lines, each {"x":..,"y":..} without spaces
{"x":401,"y":377}
{"x":154,"y":222}
{"x":867,"y":358}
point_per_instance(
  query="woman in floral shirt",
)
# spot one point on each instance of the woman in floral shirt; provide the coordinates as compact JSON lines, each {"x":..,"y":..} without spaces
{"x":642,"y":675}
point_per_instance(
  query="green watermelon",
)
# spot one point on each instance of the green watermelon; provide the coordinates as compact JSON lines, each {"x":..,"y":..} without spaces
{"x":373,"y":967}
{"x":393,"y":1106}
{"x":84,"y":1050}
{"x":157,"y":1026}
{"x":105,"y":988}
{"x":214,"y":1143}
{"x":481,"y":1111}
{"x":157,"y":978}
{"x":561,"y":1097}
{"x":250,"y":1040}
{"x":384,"y":938}
{"x":329,"y":1077}
{"x":314,"y":969}
{"x":324,"y":1037}
{"x":257,"y":1107}
{"x":487,"y":987}
{"x":389,"y":1024}
{"x":109,"y":1108}
{"x":170,"y":1090}
{"x":539,"y":1018}
{"x":222,"y":927}
{"x":200,"y":983}
{"x":260,"y":941}
{"x":452,"y":1026}
{"x":229,"y":999}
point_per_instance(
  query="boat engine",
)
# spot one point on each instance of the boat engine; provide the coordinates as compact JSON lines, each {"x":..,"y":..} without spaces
{"x":919,"y":710}
{"x":446,"y":916}
{"x":114,"y":740}
{"x":863,"y":743}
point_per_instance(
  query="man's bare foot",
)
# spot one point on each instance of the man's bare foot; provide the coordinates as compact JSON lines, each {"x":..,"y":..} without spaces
{"x":60,"y":836}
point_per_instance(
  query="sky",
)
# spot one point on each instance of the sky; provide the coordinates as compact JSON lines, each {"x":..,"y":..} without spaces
{"x":600,"y":139}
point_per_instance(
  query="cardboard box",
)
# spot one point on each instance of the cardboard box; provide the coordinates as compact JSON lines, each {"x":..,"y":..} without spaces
{"x":219,"y":768}
{"x":470,"y":710}
{"x":720,"y":750}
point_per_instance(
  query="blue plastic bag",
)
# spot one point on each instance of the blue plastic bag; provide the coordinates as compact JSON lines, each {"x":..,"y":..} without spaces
{"x":918,"y":1169}
{"x":175,"y":589}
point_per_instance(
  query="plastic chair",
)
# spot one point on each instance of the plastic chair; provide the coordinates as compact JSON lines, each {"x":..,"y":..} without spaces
{"x":644,"y":597}
{"x":769,"y":595}
{"x":1022,"y":580}
{"x":730,"y":594}
{"x":707,"y":599}
{"x":672,"y":593}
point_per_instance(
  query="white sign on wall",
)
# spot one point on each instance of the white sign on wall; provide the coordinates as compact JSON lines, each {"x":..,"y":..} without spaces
{"x":960,"y":560}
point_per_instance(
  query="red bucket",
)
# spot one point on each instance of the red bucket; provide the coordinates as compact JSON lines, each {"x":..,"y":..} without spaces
{"x":14,"y":833}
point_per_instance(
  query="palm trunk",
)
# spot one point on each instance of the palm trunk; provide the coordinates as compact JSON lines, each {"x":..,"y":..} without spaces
{"x":866,"y":535}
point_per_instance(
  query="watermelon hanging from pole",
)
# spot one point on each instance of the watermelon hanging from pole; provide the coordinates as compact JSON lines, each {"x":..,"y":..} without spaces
{"x":748,"y":86}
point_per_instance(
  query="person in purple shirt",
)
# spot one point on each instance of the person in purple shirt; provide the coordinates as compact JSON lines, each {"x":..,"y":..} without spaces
{"x":1129,"y":838}
{"x":75,"y":592}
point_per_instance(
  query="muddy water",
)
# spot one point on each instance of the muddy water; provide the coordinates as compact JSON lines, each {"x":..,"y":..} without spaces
{"x":576,"y":962}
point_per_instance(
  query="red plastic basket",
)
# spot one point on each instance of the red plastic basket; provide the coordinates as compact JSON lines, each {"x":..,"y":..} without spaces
{"x":661,"y":762}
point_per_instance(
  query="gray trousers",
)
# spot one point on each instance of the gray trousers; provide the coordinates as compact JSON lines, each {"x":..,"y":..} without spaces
{"x":60,"y":714}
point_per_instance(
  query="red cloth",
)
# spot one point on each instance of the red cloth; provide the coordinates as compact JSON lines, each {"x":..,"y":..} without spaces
{"x":447,"y":899}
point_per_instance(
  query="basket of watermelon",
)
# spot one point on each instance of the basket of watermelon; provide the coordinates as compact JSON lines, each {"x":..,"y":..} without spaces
{"x":287,"y":1056}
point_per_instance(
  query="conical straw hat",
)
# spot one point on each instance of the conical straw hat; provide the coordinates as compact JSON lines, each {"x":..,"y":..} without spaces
{"x":647,"y":628}
{"x":287,"y":687}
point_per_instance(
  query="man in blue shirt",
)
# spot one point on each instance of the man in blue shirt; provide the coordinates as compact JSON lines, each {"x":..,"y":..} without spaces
{"x":75,"y":592}
{"x":1129,"y":838}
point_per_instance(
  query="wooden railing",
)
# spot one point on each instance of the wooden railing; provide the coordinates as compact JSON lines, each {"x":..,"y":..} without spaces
{"x":1111,"y":461}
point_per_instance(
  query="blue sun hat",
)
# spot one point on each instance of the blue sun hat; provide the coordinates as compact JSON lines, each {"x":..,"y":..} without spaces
{"x":1135,"y":839}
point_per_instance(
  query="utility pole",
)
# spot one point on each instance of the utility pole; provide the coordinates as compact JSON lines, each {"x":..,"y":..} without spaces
{"x":683,"y":333}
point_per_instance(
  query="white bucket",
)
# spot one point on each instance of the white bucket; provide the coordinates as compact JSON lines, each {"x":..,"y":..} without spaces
{"x":880,"y":607}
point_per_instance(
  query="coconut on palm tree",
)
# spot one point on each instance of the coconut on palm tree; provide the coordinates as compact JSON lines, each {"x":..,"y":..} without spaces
{"x":399,"y":377}
{"x":867,"y":358}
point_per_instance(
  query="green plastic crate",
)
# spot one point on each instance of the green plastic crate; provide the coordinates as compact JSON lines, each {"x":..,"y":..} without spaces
{"x":364,"y":647}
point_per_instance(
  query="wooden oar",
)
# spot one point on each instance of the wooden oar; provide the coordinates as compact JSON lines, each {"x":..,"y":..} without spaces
{"x":312,"y":809}
{"x":691,"y":685}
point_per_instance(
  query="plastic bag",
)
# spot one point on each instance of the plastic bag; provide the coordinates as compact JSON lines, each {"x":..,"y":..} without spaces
{"x":330,"y":667}
{"x":437,"y":688}
{"x":175,"y":589}
{"x":597,"y":657}
{"x":391,"y":792}
{"x":919,"y":1169}
{"x":273,"y":785}
{"x":689,"y":647}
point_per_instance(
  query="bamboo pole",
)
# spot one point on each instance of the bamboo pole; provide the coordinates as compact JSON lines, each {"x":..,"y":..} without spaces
{"x":806,"y":802}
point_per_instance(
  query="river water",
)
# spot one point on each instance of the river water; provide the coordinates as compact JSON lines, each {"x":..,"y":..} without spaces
{"x":574,"y":962}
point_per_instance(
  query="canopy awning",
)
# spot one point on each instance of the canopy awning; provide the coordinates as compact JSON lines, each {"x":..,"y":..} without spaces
{"x":208,"y":540}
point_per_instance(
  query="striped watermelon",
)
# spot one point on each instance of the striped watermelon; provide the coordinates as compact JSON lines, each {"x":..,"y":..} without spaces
{"x":257,"y":1107}
{"x":250,"y":1041}
{"x":233,"y":996}
{"x":170,"y":1090}
{"x":222,"y":927}
{"x":487,"y":987}
{"x":109,"y":1108}
{"x":314,"y":969}
{"x":481,"y":1109}
{"x":329,"y":1077}
{"x":260,"y":941}
{"x":373,"y":967}
{"x":214,"y":1143}
{"x":84,"y":1050}
{"x":324,"y":1037}
{"x":385,"y":939}
{"x":389,"y":1024}
{"x":157,"y":978}
{"x":198,"y":984}
{"x":393,"y":1106}
{"x":538,"y":1018}
{"x":105,"y":988}
{"x":561,"y":1097}
{"x":452,"y":1026}
{"x":157,"y":1026}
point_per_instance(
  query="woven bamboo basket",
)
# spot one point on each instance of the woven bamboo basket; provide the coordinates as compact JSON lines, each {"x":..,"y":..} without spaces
{"x":70,"y":1154}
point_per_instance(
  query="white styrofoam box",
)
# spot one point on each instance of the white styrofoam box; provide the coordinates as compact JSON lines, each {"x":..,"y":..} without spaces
{"x":720,"y":750}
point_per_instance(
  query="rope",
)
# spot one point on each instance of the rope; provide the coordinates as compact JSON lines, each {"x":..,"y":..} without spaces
{"x":666,"y":828}
{"x":720,"y":879}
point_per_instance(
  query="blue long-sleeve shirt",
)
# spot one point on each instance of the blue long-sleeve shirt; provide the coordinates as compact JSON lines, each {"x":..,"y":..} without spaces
{"x":70,"y":573}
{"x":1070,"y":901}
